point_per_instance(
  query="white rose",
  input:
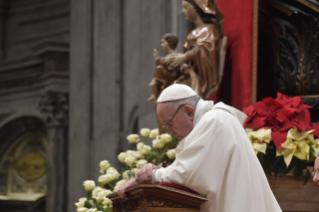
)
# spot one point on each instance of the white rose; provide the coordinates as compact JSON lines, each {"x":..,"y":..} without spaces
{"x":82,"y":209}
{"x":129,"y":152}
{"x":121,"y":157}
{"x":145,"y":132}
{"x":96,"y":191}
{"x":154,"y":133}
{"x":141,"y":163}
{"x":119,"y":183}
{"x":125,"y":175}
{"x":133,"y":138}
{"x":104,"y":179}
{"x":107,"y":201}
{"x":134,"y":170}
{"x":81,"y":202}
{"x":166,"y":138}
{"x":139,"y":146}
{"x":144,"y":149}
{"x":92,"y":210}
{"x":89,"y":185}
{"x":108,"y":192}
{"x":130,"y":160}
{"x":105,"y":207}
{"x":116,"y":188}
{"x":102,"y":194}
{"x":158,"y":143}
{"x":113,"y":173}
{"x":171,"y":153}
{"x":104,"y":165}
{"x":136,"y":154}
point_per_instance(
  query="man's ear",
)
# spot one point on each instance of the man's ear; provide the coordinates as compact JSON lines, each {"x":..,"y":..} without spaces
{"x":190,"y":111}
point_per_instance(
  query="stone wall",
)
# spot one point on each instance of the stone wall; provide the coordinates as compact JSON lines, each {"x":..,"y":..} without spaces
{"x":112,"y":64}
{"x":34,"y":79}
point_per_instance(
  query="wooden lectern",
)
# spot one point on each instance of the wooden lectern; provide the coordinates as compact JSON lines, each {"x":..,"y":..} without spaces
{"x":159,"y":198}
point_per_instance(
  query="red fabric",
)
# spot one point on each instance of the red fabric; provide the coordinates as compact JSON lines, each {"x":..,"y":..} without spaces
{"x":236,"y":87}
{"x":179,"y":187}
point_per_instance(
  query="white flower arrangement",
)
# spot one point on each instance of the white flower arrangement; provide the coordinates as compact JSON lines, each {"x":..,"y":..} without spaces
{"x":110,"y":179}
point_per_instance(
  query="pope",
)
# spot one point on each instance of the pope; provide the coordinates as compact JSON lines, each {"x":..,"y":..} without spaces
{"x":214,"y":156}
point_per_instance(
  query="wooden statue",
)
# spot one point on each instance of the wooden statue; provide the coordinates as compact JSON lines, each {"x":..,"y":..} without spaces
{"x":165,"y":74}
{"x":202,"y":63}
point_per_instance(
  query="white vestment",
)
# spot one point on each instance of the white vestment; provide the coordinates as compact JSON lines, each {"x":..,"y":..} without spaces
{"x":216,"y":159}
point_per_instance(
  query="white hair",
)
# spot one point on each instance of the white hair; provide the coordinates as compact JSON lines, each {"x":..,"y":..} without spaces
{"x":192,"y":101}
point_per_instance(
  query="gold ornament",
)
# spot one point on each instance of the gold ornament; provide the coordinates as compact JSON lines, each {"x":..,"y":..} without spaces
{"x":31,"y":166}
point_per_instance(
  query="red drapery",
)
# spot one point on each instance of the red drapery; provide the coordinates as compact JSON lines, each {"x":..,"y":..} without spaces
{"x":236,"y":86}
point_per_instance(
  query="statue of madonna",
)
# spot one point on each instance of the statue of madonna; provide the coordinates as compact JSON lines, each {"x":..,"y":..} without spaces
{"x":202,"y":61}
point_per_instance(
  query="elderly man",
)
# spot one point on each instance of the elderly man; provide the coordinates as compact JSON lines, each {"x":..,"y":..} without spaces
{"x":214,"y":156}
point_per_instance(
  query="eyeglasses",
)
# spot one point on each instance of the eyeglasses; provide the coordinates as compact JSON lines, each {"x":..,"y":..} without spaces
{"x":170,"y":122}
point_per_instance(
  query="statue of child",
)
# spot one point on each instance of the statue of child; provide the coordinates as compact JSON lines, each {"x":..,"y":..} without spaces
{"x":165,"y":74}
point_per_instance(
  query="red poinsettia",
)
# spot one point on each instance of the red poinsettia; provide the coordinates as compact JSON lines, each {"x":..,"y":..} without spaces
{"x":280,"y":115}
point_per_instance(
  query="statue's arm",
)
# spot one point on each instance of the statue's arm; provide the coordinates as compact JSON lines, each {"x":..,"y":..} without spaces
{"x":190,"y":55}
{"x":159,"y":61}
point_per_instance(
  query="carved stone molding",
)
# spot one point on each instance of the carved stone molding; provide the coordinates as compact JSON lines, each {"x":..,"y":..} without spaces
{"x":55,"y":108}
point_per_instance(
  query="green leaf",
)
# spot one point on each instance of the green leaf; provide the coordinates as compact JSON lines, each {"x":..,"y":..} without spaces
{"x":131,"y":174}
{"x":283,"y":170}
{"x":100,"y":206}
{"x":167,"y":145}
{"x":89,"y":196}
{"x":107,"y":186}
{"x":312,"y":149}
{"x":87,"y":204}
{"x":174,"y":141}
{"x":150,"y":158}
{"x":126,"y":166}
{"x":301,"y":163}
{"x":162,"y":157}
{"x":276,"y":169}
{"x":307,"y":177}
{"x":155,"y":151}
{"x":277,"y":166}
{"x":298,"y":174}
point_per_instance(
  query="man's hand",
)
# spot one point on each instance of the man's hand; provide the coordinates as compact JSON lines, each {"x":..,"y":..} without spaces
{"x":123,"y":188}
{"x":316,"y":169}
{"x":144,"y":174}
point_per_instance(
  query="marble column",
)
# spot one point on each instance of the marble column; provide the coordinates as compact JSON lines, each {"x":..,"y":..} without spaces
{"x":95,"y":89}
{"x":54,"y":108}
